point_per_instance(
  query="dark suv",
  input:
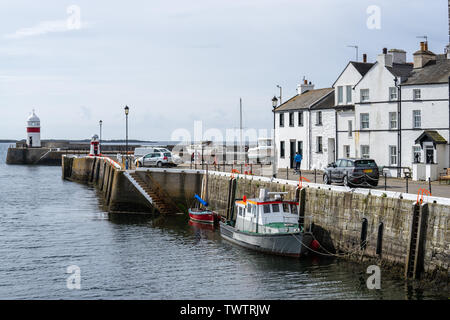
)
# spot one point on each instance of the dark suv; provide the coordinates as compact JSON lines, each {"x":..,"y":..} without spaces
{"x":352,"y":172}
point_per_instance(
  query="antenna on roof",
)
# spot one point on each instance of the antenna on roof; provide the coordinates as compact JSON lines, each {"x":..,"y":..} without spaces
{"x":423,"y":37}
{"x":356,"y":47}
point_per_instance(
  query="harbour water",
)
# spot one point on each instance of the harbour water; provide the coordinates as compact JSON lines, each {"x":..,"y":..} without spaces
{"x":48,"y":224}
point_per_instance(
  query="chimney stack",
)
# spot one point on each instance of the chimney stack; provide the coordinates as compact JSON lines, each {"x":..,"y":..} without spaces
{"x":365,"y":58}
{"x":398,"y":56}
{"x":385,"y":59}
{"x":305,"y":86}
{"x":423,"y":56}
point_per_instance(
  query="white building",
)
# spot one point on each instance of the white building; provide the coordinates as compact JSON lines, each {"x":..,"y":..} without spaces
{"x":345,"y":98}
{"x":396,"y":103}
{"x":306,"y":124}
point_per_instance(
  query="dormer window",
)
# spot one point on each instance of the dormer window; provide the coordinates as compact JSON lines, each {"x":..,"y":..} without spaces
{"x":340,"y":94}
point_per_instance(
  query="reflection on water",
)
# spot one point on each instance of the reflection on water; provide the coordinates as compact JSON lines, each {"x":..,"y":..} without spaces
{"x":48,"y":224}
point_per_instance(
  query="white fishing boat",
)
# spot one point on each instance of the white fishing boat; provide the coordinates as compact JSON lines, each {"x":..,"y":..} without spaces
{"x":268,"y":225}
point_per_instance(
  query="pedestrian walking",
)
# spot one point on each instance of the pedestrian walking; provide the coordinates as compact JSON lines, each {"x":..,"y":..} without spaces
{"x":298,"y":161}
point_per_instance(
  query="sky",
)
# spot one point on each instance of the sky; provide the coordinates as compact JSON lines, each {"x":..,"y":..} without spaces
{"x":174,"y":62}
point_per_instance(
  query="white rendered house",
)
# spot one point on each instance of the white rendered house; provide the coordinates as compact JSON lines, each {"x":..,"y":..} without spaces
{"x":306,"y":124}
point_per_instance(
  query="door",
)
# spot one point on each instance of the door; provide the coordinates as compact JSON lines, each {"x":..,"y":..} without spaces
{"x":146,"y":160}
{"x":429,"y":154}
{"x":292,"y":153}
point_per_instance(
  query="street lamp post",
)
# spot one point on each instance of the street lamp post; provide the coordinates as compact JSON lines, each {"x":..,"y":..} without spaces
{"x":274,"y":164}
{"x":100,"y":122}
{"x":127,"y":110}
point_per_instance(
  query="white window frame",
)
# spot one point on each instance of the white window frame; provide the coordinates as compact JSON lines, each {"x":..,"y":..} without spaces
{"x":363,"y":154}
{"x":364,"y":97}
{"x":281,"y":120}
{"x":363,"y":122}
{"x":393,"y":155}
{"x":392,"y":94}
{"x":319,"y":118}
{"x":319,"y":144}
{"x":348,"y":93}
{"x":391,"y":120}
{"x":417,"y":119}
{"x":300,"y":117}
{"x":346,"y":150}
{"x":416,"y":150}
{"x":340,"y":94}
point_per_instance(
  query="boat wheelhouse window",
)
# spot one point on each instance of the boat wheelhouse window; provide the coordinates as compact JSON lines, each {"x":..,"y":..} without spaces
{"x":286,"y":207}
{"x":240,"y":211}
{"x":294,"y":208}
{"x":275,"y":207}
{"x":266,"y":208}
{"x":254,"y":209}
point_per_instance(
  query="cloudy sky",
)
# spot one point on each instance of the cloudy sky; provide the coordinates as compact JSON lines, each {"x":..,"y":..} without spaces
{"x":174,"y":62}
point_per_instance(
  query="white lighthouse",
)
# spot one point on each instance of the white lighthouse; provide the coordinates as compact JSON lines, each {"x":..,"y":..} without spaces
{"x":33,"y":131}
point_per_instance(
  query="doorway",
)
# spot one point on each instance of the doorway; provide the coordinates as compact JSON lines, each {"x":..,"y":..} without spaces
{"x":292,"y":153}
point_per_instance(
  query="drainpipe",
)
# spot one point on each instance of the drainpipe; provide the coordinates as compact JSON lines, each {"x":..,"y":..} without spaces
{"x":336,"y":148}
{"x":399,"y":127}
{"x":448,"y":166}
{"x":310,"y":141}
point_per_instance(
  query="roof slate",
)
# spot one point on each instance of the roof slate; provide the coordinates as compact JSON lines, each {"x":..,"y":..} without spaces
{"x":362,"y":67}
{"x":431,"y":135}
{"x":309,"y":99}
{"x":433,"y":72}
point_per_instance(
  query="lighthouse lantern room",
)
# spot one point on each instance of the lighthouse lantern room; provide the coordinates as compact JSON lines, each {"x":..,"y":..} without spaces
{"x":33,"y":131}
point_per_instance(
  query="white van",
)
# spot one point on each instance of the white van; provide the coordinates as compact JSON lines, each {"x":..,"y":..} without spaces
{"x":140,"y":152}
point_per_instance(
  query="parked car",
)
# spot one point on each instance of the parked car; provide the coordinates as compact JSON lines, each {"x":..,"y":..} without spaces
{"x":352,"y":172}
{"x":158,"y":159}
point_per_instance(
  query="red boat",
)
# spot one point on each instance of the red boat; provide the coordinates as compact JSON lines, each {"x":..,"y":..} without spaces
{"x":203,"y":215}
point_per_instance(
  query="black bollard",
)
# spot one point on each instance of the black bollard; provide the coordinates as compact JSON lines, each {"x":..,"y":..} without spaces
{"x":429,"y":184}
{"x":315,"y":177}
{"x":287,"y":173}
{"x":385,"y":186}
{"x":406,"y":184}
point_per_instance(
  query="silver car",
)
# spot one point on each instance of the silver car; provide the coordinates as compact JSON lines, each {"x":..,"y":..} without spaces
{"x":158,"y":159}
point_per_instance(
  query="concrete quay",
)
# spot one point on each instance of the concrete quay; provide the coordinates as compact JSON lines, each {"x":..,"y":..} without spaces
{"x":370,"y":226}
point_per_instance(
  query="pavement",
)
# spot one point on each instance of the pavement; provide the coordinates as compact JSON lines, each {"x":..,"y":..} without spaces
{"x":392,"y":184}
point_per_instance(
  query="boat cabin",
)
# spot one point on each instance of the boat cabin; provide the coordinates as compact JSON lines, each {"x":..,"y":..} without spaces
{"x":267,"y":216}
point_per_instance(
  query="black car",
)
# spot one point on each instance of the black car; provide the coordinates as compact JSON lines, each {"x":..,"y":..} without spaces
{"x":352,"y":172}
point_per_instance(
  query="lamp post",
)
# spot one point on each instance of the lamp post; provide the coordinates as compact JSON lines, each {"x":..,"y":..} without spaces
{"x":100,"y":123}
{"x":127,"y":110}
{"x":274,"y":164}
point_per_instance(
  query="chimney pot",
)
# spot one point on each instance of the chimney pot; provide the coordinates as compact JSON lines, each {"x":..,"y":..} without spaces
{"x":422,"y":46}
{"x":426,"y":45}
{"x":384,"y":50}
{"x":305,"y":81}
{"x":364,"y":58}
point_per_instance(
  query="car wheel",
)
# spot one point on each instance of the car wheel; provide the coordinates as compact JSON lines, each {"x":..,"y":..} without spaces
{"x":159,"y":164}
{"x":326,"y":180}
